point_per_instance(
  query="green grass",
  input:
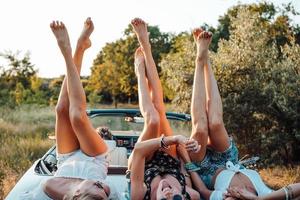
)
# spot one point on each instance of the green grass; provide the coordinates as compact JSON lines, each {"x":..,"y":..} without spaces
{"x":23,"y":138}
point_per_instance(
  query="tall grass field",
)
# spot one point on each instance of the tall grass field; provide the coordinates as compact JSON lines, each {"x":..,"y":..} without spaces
{"x":24,"y":135}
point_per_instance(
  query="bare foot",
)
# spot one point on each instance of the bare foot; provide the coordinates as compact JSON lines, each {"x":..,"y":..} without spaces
{"x":140,"y":29}
{"x":139,"y":62}
{"x":84,"y":41}
{"x":203,"y":40}
{"x":62,"y":37}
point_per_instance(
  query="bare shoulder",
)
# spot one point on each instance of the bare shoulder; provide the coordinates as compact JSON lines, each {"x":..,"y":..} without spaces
{"x":56,"y":186}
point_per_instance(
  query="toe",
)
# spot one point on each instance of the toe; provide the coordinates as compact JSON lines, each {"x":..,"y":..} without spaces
{"x":52,"y":25}
{"x":134,"y":21}
{"x":62,"y":25}
{"x":196,"y":32}
{"x":201,"y":35}
{"x":142,"y":21}
{"x":89,"y":21}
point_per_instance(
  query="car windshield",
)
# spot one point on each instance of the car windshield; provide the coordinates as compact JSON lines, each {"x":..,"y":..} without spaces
{"x":115,"y":123}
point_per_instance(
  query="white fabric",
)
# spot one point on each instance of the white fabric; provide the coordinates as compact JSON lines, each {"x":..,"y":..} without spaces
{"x":79,"y":165}
{"x":216,"y":195}
{"x":224,"y":178}
{"x":116,"y":155}
{"x":75,"y":165}
{"x":37,"y":194}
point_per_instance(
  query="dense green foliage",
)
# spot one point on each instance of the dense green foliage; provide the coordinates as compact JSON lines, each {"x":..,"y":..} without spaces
{"x":260,"y":87}
{"x":113,"y":76}
{"x":255,"y":57}
{"x":257,"y":69}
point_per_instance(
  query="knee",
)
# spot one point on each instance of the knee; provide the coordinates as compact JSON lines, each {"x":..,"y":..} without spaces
{"x":152,"y":119}
{"x":77,"y":117}
{"x":215,"y":123}
{"x":62,"y":109}
{"x":200,"y":129}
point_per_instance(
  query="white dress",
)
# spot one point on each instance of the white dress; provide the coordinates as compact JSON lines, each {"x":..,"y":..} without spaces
{"x":224,"y":178}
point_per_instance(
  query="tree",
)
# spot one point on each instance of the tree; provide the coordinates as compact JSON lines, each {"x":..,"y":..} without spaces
{"x":35,"y":83}
{"x":279,"y":27}
{"x":19,"y":93}
{"x":258,"y":76}
{"x":259,"y":88}
{"x":17,"y":69}
{"x":15,"y":76}
{"x":113,"y":68}
{"x":177,"y":70}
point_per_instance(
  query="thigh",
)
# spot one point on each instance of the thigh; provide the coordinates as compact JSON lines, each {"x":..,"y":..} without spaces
{"x":166,"y":130}
{"x":165,"y":127}
{"x":219,"y":139}
{"x":90,"y":141}
{"x":202,"y":139}
{"x":66,"y":140}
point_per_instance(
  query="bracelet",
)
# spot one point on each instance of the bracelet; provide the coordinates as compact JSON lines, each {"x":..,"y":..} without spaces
{"x":290,"y":192}
{"x":286,"y":193}
{"x":163,"y":143}
{"x":191,"y":167}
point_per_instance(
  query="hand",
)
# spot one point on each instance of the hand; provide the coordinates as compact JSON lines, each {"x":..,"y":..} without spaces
{"x":180,"y":139}
{"x":229,"y":198}
{"x":165,"y":191}
{"x":192,"y":146}
{"x":240,"y":193}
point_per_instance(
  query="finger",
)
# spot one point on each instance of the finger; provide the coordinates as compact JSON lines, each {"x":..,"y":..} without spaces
{"x":190,"y":146}
{"x":197,"y":149}
{"x":194,"y":143}
{"x":190,"y":149}
{"x":166,"y":192}
{"x":190,"y":141}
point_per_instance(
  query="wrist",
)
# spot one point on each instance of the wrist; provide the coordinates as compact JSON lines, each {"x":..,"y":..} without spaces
{"x":164,"y":142}
{"x":175,"y":139}
{"x":146,"y":46}
{"x":191,"y":167}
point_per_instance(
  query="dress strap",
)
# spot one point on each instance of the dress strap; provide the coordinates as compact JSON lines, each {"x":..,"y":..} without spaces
{"x":230,"y":166}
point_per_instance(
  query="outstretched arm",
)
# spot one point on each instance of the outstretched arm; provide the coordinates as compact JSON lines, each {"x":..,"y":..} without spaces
{"x":289,"y":192}
{"x":147,"y":147}
{"x":196,"y":180}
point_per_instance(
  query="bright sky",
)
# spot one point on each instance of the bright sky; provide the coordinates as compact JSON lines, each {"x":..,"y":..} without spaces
{"x":25,"y":24}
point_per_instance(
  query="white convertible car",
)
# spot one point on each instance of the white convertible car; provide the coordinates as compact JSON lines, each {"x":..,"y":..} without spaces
{"x":124,"y":127}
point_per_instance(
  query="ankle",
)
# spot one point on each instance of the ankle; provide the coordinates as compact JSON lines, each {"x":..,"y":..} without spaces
{"x":145,"y":45}
{"x":203,"y":59}
{"x":80,"y":49}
